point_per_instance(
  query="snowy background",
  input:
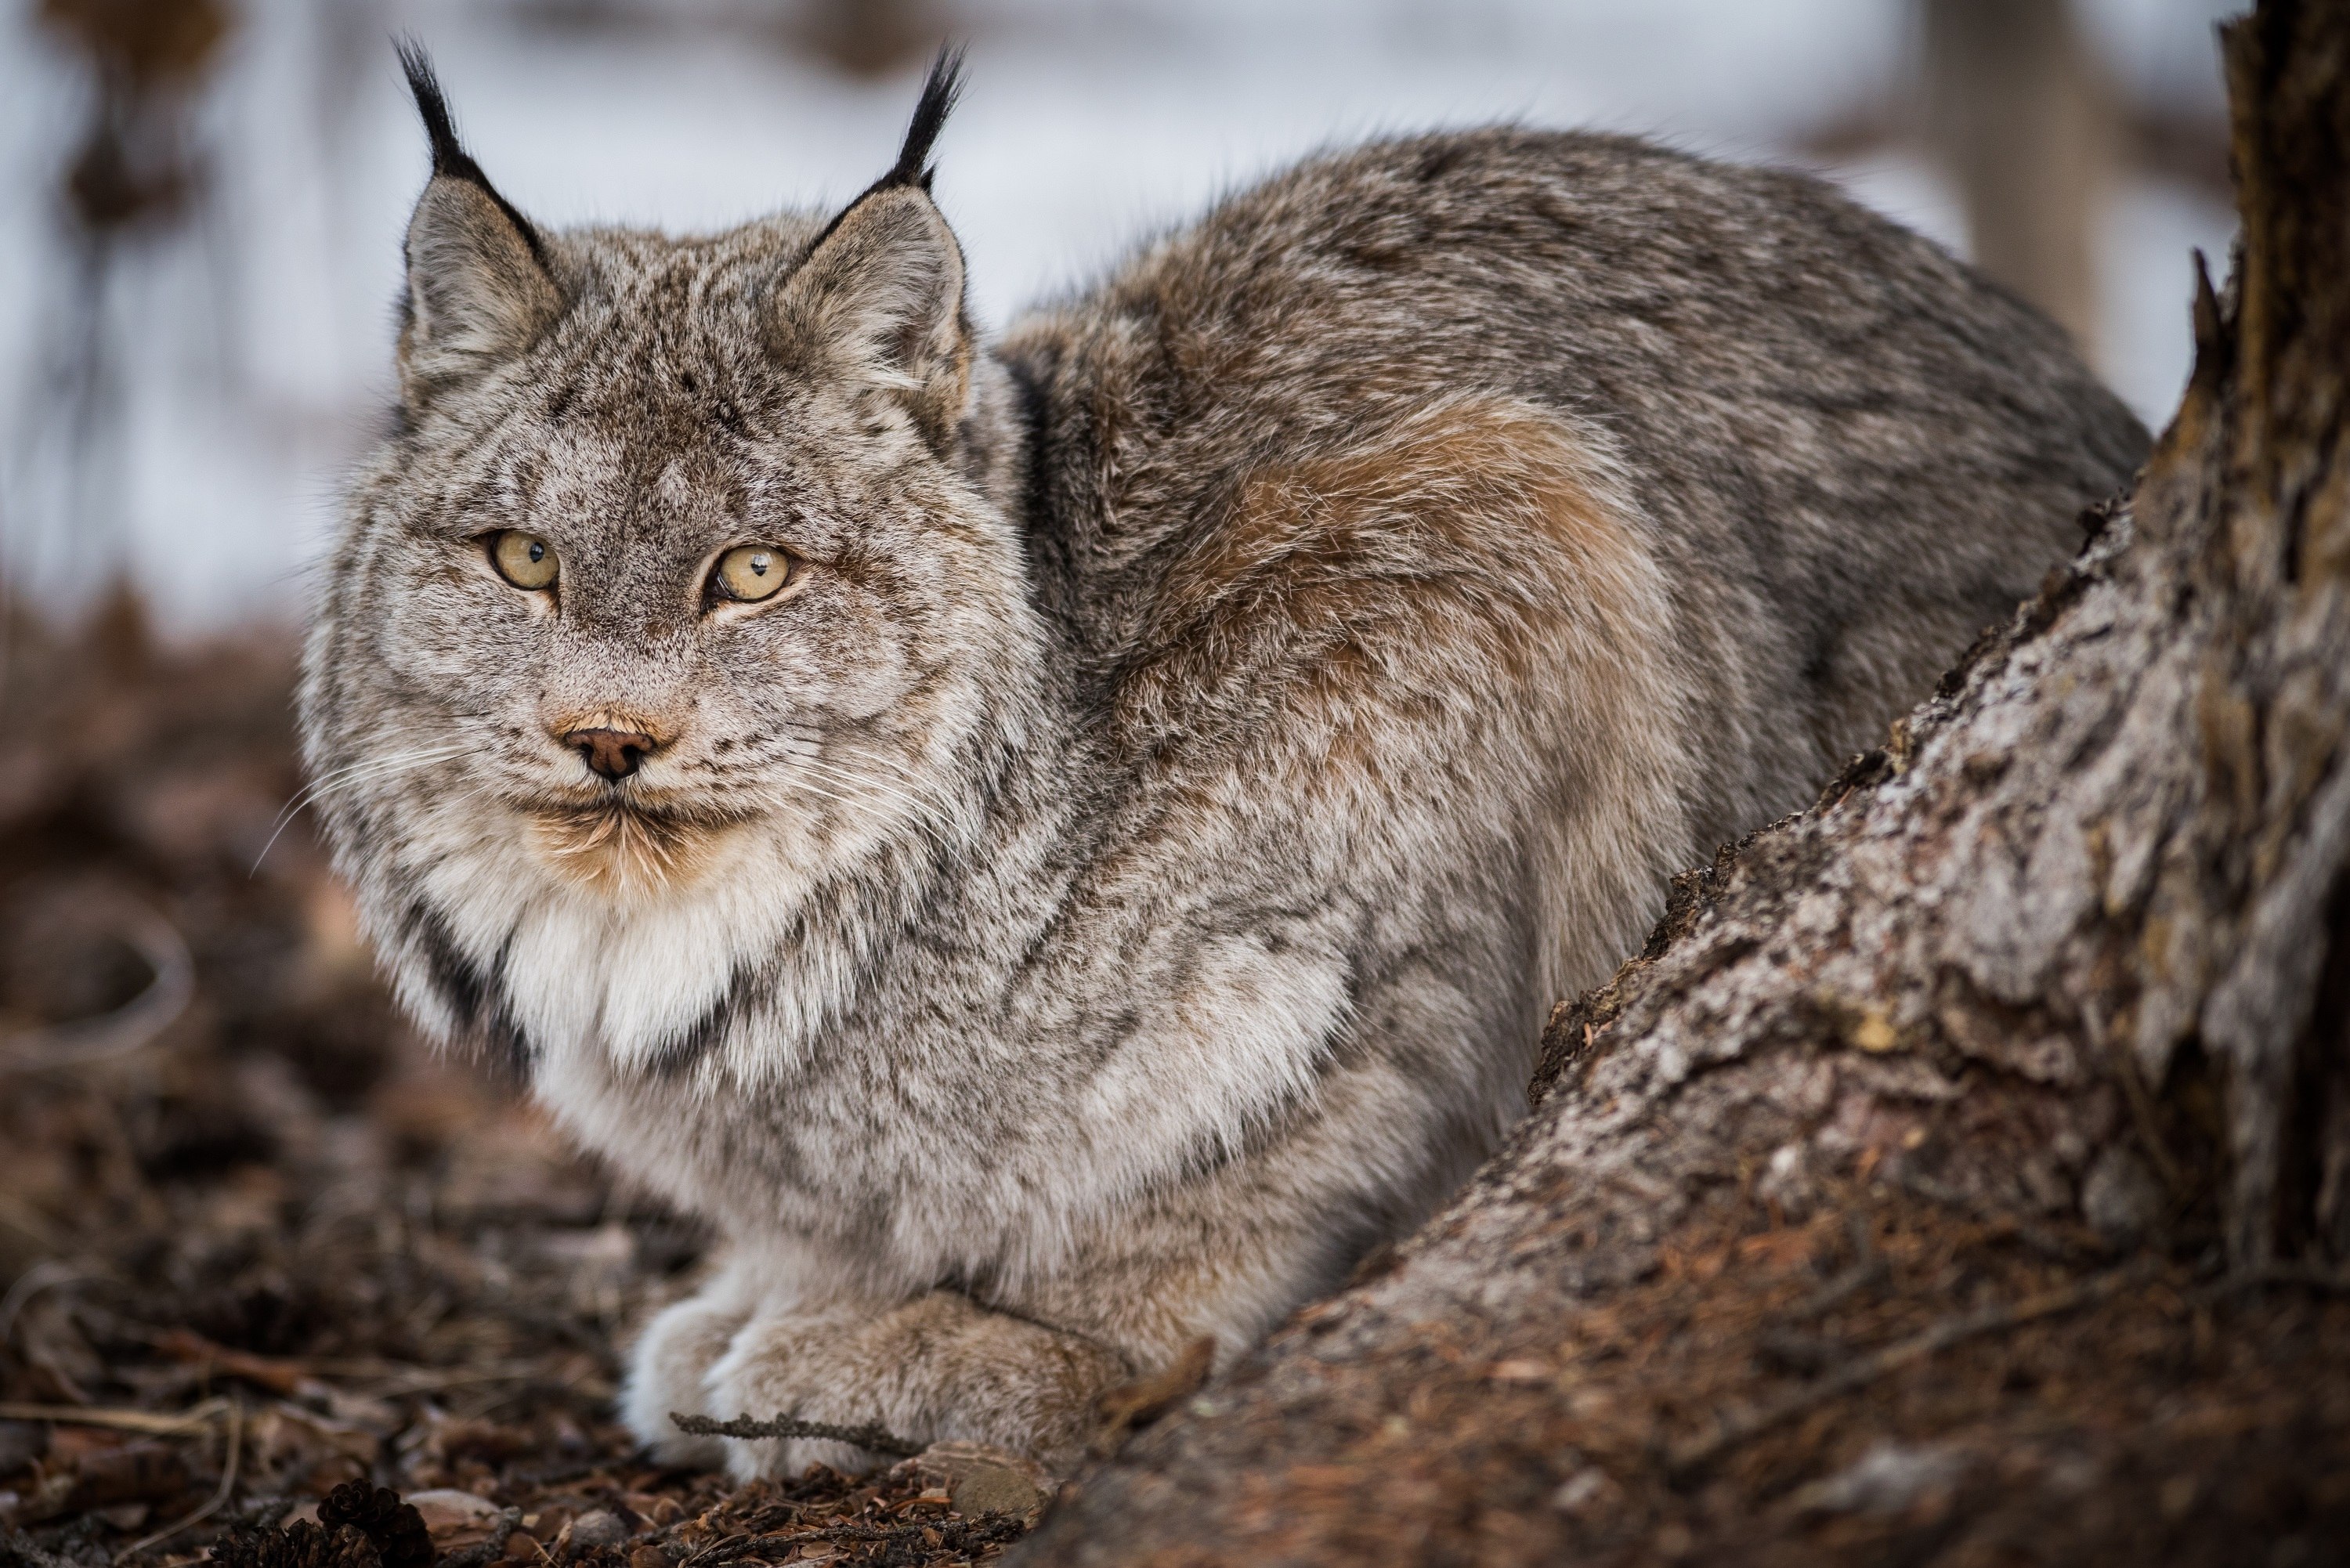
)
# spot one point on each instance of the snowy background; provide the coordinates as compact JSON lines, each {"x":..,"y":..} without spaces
{"x":245,"y":353}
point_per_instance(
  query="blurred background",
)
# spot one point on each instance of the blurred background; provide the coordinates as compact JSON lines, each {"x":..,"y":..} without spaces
{"x":201,"y":200}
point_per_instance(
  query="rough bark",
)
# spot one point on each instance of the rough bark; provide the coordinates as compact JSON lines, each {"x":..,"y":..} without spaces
{"x":1962,"y":1173}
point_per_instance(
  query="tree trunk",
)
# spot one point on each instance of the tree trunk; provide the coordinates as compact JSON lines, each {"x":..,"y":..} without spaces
{"x":1963,"y":1172}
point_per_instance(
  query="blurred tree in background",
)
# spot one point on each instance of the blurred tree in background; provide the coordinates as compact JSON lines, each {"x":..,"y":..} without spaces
{"x":136,"y":163}
{"x":2024,"y":123}
{"x":136,"y":172}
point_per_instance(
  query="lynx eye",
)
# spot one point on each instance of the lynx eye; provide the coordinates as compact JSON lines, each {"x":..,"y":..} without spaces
{"x":750,"y":573}
{"x":526,"y":560}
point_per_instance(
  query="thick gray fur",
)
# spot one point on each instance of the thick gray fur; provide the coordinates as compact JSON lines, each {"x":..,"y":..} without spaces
{"x":1123,"y":876}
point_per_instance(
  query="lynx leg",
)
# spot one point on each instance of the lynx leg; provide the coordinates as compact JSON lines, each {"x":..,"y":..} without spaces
{"x":670,"y":1367}
{"x":937,"y":1367}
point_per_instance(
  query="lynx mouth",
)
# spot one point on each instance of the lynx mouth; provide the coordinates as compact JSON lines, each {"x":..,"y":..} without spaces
{"x":621,"y":846}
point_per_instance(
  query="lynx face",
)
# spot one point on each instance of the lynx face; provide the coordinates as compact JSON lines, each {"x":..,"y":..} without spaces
{"x":676,"y":586}
{"x":648,"y":442}
{"x":675,"y":602}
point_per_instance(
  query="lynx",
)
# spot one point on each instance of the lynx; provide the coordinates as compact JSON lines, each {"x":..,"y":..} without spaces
{"x":1055,"y":846}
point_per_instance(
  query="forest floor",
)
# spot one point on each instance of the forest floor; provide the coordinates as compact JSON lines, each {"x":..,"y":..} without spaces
{"x":255,"y":1241}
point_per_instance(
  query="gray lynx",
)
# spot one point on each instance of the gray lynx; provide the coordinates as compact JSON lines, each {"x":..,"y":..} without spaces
{"x":1055,"y":846}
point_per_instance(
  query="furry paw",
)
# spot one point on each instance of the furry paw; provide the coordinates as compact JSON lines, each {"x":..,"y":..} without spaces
{"x":936,"y":1368}
{"x":669,"y":1371}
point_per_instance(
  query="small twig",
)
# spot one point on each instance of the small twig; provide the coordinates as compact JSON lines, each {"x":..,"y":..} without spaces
{"x":219,"y":1498}
{"x":878,"y":1439}
{"x":130,"y":1026}
{"x":427,"y":1380}
{"x":556,"y":1475}
{"x":958,"y":1534}
{"x":898,"y":1531}
{"x":2307,"y":1276}
{"x":273,"y":1373}
{"x":2048,"y":1243}
{"x":154,"y":1423}
{"x":719,"y":1551}
{"x":46,"y":1275}
{"x":1870,"y":1271}
{"x":1145,"y":1399}
{"x":2124,"y":1068}
{"x":1864,"y":1370}
{"x":1867,"y":1268}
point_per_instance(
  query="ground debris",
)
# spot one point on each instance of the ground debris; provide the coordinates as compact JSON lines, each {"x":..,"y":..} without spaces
{"x":303,"y":1544}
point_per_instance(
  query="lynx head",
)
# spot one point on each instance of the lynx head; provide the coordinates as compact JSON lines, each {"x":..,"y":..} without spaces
{"x":680,"y":571}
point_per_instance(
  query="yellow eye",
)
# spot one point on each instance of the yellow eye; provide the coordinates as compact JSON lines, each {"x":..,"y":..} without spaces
{"x":526,"y":560}
{"x":751,"y":573}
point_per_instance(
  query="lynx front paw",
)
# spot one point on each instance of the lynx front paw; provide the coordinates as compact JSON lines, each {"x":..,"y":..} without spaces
{"x":937,"y":1367}
{"x":668,"y":1372}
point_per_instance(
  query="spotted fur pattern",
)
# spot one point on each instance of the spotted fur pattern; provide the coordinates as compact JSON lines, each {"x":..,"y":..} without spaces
{"x":1121,"y":879}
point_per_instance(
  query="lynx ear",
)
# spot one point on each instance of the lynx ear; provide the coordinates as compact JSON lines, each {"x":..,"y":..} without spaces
{"x":479,"y":291}
{"x":881,"y":295}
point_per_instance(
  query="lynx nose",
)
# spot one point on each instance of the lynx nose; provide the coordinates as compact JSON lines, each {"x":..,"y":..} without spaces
{"x":614,"y":754}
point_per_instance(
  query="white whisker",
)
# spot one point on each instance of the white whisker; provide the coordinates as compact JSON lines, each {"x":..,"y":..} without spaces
{"x":929,"y":810}
{"x":359,"y":772}
{"x":816,"y":786}
{"x":351,"y":775}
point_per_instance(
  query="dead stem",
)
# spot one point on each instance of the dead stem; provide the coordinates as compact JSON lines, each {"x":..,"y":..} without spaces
{"x":220,"y":1497}
{"x":874,"y":1437}
{"x":1858,"y":1373}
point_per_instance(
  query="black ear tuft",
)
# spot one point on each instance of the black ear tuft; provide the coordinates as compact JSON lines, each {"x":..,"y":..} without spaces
{"x":940,"y":91}
{"x":449,"y":155}
{"x":449,"y":159}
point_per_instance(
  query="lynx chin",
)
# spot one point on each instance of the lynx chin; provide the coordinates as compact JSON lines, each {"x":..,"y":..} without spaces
{"x":1056,"y":844}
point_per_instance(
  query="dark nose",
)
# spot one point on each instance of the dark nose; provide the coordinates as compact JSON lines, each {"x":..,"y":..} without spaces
{"x":615,"y":753}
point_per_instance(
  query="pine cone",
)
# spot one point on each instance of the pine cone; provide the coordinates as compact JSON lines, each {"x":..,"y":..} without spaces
{"x":376,"y":1512}
{"x":305,"y":1545}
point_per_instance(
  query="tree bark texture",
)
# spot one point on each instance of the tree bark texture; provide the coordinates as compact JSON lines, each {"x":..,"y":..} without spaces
{"x":1962,"y":1173}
